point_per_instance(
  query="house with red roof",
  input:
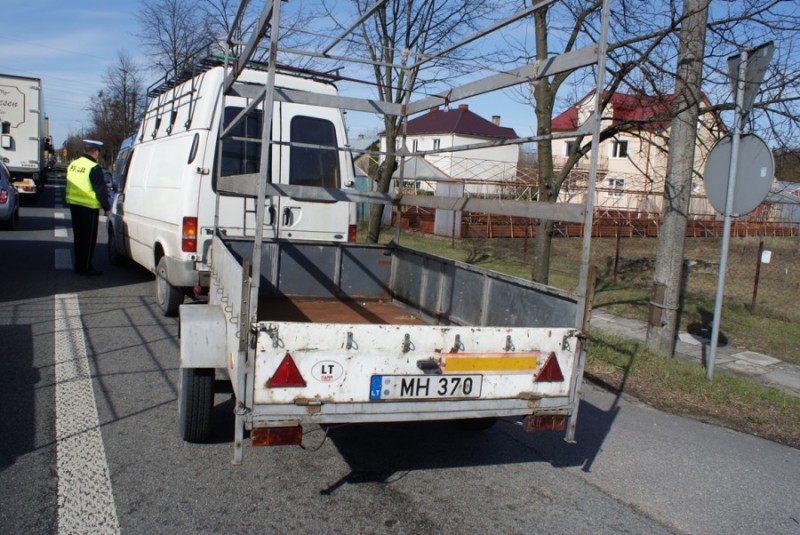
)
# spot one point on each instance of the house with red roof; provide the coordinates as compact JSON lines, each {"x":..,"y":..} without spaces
{"x":632,"y":165}
{"x":437,"y":137}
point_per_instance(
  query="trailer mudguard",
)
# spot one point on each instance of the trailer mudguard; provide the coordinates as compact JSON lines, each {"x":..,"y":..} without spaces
{"x":202,"y":336}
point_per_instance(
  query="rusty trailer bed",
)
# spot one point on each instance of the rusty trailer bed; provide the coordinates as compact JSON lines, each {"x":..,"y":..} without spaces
{"x":329,"y":310}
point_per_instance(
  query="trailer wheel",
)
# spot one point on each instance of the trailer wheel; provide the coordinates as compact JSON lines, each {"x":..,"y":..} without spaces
{"x":196,"y":404}
{"x":169,"y":298}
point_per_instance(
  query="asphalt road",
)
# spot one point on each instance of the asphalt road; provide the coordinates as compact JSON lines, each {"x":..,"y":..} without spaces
{"x":96,"y":449}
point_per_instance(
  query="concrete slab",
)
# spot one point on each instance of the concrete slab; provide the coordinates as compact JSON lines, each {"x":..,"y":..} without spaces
{"x":745,"y":367}
{"x":758,"y":359}
{"x":789,"y":381}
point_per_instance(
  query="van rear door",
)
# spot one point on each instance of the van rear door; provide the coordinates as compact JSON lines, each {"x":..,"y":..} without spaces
{"x":311,"y":158}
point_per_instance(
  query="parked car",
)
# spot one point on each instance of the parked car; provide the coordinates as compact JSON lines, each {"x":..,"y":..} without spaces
{"x":9,"y":200}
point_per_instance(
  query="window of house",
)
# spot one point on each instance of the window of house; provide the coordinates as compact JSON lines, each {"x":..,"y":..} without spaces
{"x":414,"y":145}
{"x":570,"y":146}
{"x":437,"y":144}
{"x":619,"y":149}
{"x":615,"y":187}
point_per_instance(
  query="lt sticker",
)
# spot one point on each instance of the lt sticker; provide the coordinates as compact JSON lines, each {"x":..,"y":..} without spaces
{"x":327,"y":371}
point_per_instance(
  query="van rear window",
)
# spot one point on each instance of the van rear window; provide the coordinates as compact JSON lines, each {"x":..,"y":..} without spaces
{"x":241,"y":148}
{"x":317,"y":165}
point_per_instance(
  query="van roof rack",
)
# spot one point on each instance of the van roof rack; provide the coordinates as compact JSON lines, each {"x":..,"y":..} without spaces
{"x":216,"y":60}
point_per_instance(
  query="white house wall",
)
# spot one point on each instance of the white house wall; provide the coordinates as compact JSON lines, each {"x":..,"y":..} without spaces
{"x":643,"y":171}
{"x":483,"y":170}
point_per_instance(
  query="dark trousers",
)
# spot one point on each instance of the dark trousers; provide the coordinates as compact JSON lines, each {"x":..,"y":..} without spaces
{"x":84,"y":234}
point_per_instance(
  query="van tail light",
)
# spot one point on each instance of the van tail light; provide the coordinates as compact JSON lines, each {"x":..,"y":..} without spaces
{"x":287,"y":375}
{"x":352,"y":233}
{"x":550,"y":372}
{"x":189,"y":235}
{"x":277,"y":436}
{"x":3,"y":196}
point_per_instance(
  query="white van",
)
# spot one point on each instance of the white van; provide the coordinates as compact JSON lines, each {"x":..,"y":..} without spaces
{"x":163,"y":214}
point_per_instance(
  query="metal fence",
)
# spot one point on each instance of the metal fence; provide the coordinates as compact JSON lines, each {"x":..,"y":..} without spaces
{"x":763,"y":276}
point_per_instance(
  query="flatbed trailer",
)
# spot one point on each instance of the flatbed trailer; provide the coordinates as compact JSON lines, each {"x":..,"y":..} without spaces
{"x":318,"y":333}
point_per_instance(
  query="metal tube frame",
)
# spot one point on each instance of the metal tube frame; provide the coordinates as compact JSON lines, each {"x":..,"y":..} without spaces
{"x":254,"y":185}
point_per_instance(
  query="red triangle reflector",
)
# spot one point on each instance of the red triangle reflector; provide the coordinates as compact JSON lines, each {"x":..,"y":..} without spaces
{"x":550,"y":372}
{"x":287,"y":374}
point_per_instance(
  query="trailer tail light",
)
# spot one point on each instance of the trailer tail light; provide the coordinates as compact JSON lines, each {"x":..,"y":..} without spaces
{"x":352,"y":233}
{"x":277,"y":436}
{"x":550,"y":372}
{"x":189,"y":235}
{"x":287,"y":375}
{"x":554,"y":422}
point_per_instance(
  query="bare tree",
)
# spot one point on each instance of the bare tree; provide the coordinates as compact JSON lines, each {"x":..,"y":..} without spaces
{"x":642,"y":52}
{"x":397,"y":34}
{"x":116,"y":109}
{"x":175,"y":32}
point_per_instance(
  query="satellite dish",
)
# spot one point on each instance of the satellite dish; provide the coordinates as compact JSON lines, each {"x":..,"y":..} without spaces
{"x":755,"y":172}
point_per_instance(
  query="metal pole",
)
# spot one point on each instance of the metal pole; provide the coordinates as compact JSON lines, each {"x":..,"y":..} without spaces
{"x":726,"y":233}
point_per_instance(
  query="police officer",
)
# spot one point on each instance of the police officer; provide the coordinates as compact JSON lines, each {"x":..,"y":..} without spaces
{"x":86,"y":193}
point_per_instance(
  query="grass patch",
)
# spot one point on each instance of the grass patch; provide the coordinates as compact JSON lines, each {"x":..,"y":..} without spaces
{"x":681,"y":387}
{"x":774,"y":329}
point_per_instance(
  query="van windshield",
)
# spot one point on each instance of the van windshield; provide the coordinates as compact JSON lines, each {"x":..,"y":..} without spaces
{"x":318,"y":165}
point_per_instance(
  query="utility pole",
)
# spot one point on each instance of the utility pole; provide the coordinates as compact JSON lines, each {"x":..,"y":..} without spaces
{"x":665,"y":298}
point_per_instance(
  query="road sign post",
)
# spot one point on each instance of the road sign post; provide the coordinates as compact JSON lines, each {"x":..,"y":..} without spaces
{"x":747,"y":71}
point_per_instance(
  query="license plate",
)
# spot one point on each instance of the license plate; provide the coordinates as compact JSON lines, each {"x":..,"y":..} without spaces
{"x":399,"y":387}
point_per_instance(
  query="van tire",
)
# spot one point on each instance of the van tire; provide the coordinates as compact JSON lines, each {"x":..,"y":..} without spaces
{"x":168,"y":297}
{"x":196,"y":404}
{"x":115,"y":258}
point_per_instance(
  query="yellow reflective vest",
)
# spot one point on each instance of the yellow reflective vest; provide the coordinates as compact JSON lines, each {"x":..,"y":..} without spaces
{"x":79,"y":186}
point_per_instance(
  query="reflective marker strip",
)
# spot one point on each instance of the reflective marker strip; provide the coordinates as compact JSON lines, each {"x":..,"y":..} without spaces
{"x":489,"y":362}
{"x":85,"y":498}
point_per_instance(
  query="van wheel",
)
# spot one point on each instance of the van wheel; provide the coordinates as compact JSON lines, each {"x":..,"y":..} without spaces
{"x":169,"y":298}
{"x":115,"y":258}
{"x":196,"y":404}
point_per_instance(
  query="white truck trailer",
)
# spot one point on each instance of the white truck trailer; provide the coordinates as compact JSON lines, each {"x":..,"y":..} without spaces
{"x":23,"y":133}
{"x":312,"y":333}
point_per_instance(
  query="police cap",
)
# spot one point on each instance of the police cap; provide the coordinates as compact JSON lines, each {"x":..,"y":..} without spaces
{"x":92,"y":144}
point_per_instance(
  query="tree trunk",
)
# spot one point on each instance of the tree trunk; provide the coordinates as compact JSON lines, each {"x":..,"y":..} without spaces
{"x":662,"y":329}
{"x":384,"y":179}
{"x":385,"y":171}
{"x":544,"y":96}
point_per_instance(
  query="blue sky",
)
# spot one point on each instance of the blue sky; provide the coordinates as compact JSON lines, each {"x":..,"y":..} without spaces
{"x":71,"y":44}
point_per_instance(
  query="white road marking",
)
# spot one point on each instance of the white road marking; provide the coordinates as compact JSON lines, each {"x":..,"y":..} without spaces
{"x":60,"y":232}
{"x":63,"y":259}
{"x":85,"y":497}
{"x":60,"y":215}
